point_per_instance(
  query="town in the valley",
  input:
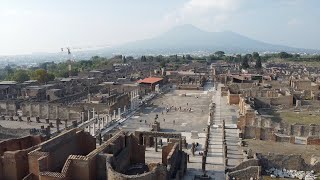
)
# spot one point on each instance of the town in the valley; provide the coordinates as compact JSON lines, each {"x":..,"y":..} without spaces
{"x":177,"y":117}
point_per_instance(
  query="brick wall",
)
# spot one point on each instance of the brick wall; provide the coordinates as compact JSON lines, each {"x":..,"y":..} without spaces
{"x":52,"y":155}
{"x":233,"y":98}
{"x":14,"y":161}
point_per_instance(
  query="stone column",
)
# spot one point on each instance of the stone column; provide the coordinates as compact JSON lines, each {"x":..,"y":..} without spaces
{"x":30,"y":110}
{"x":94,"y":128}
{"x":193,"y":148}
{"x":301,"y":130}
{"x":58,"y":124}
{"x":39,"y":113}
{"x":125,"y":109}
{"x":89,"y":129}
{"x":114,"y":114}
{"x":99,"y":121}
{"x":291,"y":129}
{"x":65,"y":124}
{"x":88,"y":115}
{"x":103,"y":119}
{"x":156,"y":144}
{"x":144,"y":139}
{"x":203,"y":163}
{"x":131,"y":94}
{"x":48,"y":111}
{"x":119,"y":113}
{"x":81,"y":117}
{"x":93,"y":113}
{"x":15,"y":110}
{"x":7,"y":108}
{"x":68,"y":115}
{"x":57,"y":111}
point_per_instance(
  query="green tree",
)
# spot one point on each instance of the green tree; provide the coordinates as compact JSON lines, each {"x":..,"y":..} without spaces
{"x":42,"y":76}
{"x":284,"y":55}
{"x":255,"y":55}
{"x":258,"y":63}
{"x":163,"y":64}
{"x":188,"y":57}
{"x":143,"y":58}
{"x":245,"y":62}
{"x":124,"y":60}
{"x":219,"y":53}
{"x":249,"y":56}
{"x":21,"y":76}
{"x":238,"y":58}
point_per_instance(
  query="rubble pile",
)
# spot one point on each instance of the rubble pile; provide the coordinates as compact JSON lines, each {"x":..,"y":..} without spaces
{"x":294,"y":174}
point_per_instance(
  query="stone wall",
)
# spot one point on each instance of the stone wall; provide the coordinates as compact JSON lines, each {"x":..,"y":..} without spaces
{"x":14,"y":160}
{"x":253,"y":132}
{"x":313,"y":140}
{"x":8,"y":107}
{"x":159,"y":172}
{"x":244,"y":164}
{"x":281,"y":161}
{"x":6,"y":133}
{"x":246,"y":173}
{"x":233,"y":98}
{"x":52,"y":154}
{"x":263,"y":102}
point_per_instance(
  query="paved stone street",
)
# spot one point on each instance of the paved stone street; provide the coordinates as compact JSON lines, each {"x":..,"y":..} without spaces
{"x":215,"y":161}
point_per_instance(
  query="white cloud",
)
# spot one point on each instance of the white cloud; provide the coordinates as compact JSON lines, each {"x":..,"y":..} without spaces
{"x":294,"y":22}
{"x":212,"y":14}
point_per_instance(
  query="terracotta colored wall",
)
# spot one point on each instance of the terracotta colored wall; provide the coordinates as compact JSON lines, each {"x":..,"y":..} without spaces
{"x":15,"y":160}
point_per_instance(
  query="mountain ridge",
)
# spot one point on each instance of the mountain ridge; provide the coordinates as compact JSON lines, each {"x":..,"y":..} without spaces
{"x":187,"y":37}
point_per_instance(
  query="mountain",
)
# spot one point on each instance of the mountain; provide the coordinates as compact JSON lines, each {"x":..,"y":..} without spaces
{"x":188,"y":38}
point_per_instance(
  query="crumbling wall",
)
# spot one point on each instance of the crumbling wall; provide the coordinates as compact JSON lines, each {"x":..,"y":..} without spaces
{"x":253,"y":132}
{"x":158,"y":173}
{"x":282,"y":100}
{"x":52,"y":155}
{"x":281,"y":161}
{"x":302,"y":130}
{"x":244,"y":164}
{"x":8,"y":107}
{"x":246,"y":173}
{"x":13,"y":133}
{"x":14,"y":160}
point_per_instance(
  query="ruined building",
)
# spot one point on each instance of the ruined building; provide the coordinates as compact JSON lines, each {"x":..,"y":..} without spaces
{"x":73,"y":155}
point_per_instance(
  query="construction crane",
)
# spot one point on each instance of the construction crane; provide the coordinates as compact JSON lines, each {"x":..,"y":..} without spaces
{"x":70,"y":55}
{"x":70,"y":60}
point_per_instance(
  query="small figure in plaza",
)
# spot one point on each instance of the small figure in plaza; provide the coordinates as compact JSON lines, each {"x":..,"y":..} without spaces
{"x":193,"y":148}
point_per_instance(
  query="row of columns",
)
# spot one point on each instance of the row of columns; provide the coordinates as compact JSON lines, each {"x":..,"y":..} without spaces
{"x":134,"y":99}
{"x":56,"y":115}
{"x":100,"y":122}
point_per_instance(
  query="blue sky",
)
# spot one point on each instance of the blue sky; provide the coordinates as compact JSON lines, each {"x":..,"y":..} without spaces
{"x":46,"y":25}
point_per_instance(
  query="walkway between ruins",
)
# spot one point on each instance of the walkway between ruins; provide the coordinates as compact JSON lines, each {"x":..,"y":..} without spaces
{"x":215,"y":161}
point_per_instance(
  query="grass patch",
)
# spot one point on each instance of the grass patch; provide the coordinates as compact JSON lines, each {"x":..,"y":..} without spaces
{"x":300,"y":117}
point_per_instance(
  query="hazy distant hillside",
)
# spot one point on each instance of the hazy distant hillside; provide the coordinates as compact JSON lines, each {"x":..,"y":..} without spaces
{"x":187,"y":38}
{"x":181,"y":39}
